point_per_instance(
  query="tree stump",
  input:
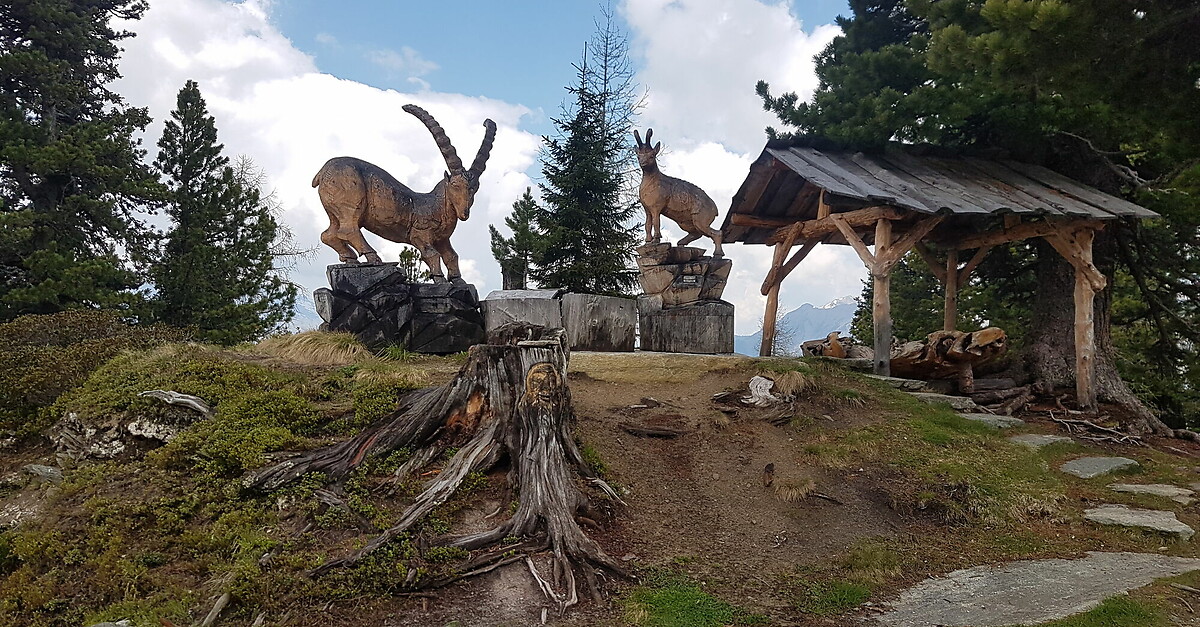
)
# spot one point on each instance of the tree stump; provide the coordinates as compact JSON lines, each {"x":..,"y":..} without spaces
{"x":509,"y":401}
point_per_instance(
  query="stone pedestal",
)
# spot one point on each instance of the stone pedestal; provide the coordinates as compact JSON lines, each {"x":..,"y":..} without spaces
{"x":380,"y":306}
{"x":700,"y":327}
{"x":591,"y":322}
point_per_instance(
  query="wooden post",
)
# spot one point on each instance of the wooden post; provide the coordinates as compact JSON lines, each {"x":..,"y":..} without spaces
{"x":881,"y":303}
{"x":1085,"y":327}
{"x":768,"y":335}
{"x":951,"y":318}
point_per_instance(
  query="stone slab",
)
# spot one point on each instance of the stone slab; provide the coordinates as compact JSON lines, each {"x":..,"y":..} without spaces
{"x":1090,"y":467}
{"x":1028,"y":592}
{"x":1148,"y":519}
{"x":957,"y":403}
{"x":907,"y":385}
{"x":705,"y":327}
{"x":599,"y":323}
{"x":1037,"y":440}
{"x":1173,"y":492}
{"x":541,"y":311}
{"x":999,"y":422}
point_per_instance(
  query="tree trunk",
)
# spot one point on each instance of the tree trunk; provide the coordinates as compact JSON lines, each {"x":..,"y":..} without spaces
{"x":1051,"y":343}
{"x":510,"y":400}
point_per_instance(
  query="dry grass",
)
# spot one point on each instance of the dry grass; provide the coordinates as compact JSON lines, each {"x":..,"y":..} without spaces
{"x":794,"y":490}
{"x":651,"y":367}
{"x":315,"y":348}
{"x":376,"y":370}
{"x":793,"y":383}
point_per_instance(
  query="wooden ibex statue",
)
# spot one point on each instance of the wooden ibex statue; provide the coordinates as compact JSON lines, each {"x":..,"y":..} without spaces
{"x":679,"y":200}
{"x":359,"y":195}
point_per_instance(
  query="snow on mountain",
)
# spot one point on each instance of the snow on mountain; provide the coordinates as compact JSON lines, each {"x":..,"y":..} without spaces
{"x":806,"y":322}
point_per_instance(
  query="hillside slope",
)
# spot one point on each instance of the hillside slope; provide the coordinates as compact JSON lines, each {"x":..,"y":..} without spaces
{"x":815,"y":511}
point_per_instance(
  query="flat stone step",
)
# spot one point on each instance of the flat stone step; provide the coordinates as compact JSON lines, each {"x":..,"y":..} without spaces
{"x":1037,"y":440}
{"x":1089,"y":467}
{"x":1149,"y":519}
{"x":957,"y":403}
{"x":999,"y":422}
{"x":907,"y":385}
{"x":1028,"y":592}
{"x":1173,"y":492}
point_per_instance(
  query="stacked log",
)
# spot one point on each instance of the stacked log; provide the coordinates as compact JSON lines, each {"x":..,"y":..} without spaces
{"x":949,"y":355}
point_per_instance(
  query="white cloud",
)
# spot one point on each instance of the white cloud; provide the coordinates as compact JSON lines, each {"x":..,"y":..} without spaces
{"x":406,"y":62}
{"x":325,"y":39}
{"x":272,"y":104}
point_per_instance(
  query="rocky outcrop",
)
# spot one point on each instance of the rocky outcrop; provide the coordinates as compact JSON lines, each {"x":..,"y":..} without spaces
{"x":381,"y":307}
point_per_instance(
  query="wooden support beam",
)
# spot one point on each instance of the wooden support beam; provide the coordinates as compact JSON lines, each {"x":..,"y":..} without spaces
{"x":1024,"y":230}
{"x":935,"y":266}
{"x":741,"y":219}
{"x":816,"y":229}
{"x":1072,"y":247}
{"x":1077,"y":248}
{"x":768,"y":335}
{"x":777,"y":275}
{"x":781,"y":250}
{"x":897,"y":250}
{"x":976,"y":259}
{"x":823,"y":208}
{"x":852,"y":238}
{"x":881,"y":302}
{"x":951,"y":280}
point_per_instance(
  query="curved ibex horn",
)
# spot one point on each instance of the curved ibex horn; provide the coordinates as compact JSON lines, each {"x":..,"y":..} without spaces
{"x":649,"y":134}
{"x":439,"y":136}
{"x":637,"y":138}
{"x":485,"y":150}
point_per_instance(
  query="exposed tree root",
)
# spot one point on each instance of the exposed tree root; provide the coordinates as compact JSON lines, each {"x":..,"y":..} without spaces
{"x":510,"y":400}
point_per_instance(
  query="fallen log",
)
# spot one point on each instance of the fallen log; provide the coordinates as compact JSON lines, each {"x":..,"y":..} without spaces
{"x":996,"y":396}
{"x":652,"y":431}
{"x":509,"y":401}
{"x":949,"y":355}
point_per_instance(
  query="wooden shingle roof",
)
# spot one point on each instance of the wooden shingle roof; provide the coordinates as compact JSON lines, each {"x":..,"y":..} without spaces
{"x":785,"y":185}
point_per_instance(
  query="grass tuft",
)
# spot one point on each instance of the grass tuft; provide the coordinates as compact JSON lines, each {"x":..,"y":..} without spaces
{"x":828,"y":598}
{"x":671,"y":600}
{"x":1115,"y":612}
{"x":315,"y":348}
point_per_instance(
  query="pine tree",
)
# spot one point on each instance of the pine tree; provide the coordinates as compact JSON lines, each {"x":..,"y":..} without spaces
{"x":515,"y":254}
{"x":72,"y":180}
{"x":217,"y":270}
{"x":584,"y":219}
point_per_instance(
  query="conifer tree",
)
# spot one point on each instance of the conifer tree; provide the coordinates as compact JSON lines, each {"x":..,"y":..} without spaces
{"x":72,"y":180}
{"x":586,"y":211}
{"x":216,"y":272}
{"x":515,"y":254}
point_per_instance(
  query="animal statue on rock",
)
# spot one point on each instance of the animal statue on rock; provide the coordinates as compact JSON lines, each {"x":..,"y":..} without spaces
{"x":679,"y":200}
{"x":359,"y":195}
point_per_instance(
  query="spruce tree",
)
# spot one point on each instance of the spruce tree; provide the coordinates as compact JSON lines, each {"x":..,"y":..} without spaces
{"x":72,"y":180}
{"x":584,"y":221}
{"x":515,"y":254}
{"x":216,"y":272}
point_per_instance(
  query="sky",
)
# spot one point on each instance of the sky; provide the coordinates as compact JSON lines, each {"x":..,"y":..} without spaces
{"x":293,"y":83}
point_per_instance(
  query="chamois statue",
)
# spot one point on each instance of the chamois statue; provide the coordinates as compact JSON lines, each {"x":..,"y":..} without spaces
{"x":359,"y":195}
{"x":679,"y":200}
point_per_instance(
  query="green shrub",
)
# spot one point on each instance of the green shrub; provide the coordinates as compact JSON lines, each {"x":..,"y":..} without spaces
{"x":42,"y":356}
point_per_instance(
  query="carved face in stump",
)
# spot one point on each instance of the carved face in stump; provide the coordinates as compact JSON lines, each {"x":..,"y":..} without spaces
{"x":541,"y":383}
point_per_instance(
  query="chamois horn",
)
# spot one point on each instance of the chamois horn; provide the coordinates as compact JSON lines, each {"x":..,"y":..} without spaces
{"x":439,"y":135}
{"x":485,"y":151}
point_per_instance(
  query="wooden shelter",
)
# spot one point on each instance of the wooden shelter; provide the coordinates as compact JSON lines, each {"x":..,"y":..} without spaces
{"x":799,"y":196}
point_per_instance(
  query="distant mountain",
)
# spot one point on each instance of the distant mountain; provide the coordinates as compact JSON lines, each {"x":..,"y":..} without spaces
{"x":805,"y":323}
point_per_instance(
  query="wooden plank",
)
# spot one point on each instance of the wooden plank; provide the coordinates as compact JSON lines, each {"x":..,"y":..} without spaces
{"x":887,"y":181}
{"x":816,"y":229}
{"x":1000,"y":199}
{"x":1107,"y":202}
{"x":854,"y":240}
{"x":1064,"y":204}
{"x":936,"y":182}
{"x":821,"y":161}
{"x":950,"y":320}
{"x":740,"y":219}
{"x":818,"y":177}
{"x":881,"y":302}
{"x":823,"y":208}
